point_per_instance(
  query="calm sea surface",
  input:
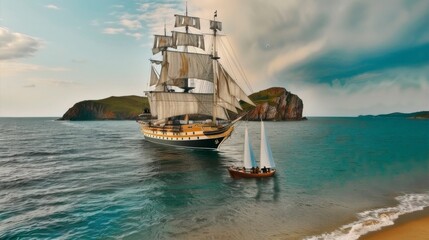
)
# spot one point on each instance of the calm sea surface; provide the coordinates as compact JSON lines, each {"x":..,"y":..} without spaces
{"x":337,"y":178}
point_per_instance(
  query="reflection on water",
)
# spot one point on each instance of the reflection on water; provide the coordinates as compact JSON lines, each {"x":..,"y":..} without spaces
{"x":192,"y":191}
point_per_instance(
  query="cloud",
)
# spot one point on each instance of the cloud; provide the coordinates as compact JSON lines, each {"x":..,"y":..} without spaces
{"x":154,"y":15}
{"x":302,"y":32}
{"x":17,"y":45}
{"x":52,"y":6}
{"x":29,"y":86}
{"x":137,"y":36}
{"x":148,"y":17}
{"x":113,"y":31}
{"x":11,"y":68}
{"x":53,"y":81}
{"x":130,"y":24}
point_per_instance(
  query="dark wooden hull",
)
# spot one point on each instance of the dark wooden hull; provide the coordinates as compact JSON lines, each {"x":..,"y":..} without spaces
{"x":187,"y":136}
{"x":240,"y":174}
{"x":212,"y":143}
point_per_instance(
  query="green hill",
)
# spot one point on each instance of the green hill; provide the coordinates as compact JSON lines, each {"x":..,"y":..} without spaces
{"x":111,"y":108}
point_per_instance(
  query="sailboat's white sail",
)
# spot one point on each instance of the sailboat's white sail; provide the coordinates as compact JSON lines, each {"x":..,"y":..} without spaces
{"x":266,"y":154}
{"x":249,"y":156}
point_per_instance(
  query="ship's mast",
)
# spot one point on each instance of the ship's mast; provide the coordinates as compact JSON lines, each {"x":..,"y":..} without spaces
{"x":215,"y":58}
{"x":186,"y":87}
{"x":164,"y":56}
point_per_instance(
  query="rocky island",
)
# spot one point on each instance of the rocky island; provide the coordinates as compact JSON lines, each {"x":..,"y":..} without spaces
{"x":273,"y":104}
{"x":413,"y":115}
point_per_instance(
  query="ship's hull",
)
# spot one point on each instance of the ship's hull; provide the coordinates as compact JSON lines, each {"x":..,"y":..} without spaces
{"x":188,"y":136}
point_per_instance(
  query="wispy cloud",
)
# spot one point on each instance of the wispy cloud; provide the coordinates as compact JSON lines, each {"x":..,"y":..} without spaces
{"x":53,"y":81}
{"x":148,"y":17}
{"x":52,"y":6}
{"x":12,"y":68}
{"x":17,"y":45}
{"x":137,"y":36}
{"x":113,"y":31}
{"x":130,"y":24}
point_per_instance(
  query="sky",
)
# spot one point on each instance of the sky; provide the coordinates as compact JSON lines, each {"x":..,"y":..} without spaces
{"x":342,"y":58}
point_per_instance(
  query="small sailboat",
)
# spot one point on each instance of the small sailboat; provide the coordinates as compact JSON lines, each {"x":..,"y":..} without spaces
{"x":251,"y":169}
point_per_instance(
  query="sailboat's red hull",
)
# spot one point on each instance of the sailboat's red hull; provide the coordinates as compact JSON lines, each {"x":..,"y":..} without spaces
{"x":240,"y":174}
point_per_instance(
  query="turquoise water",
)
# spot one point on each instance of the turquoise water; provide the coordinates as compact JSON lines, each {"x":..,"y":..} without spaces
{"x":101,"y":180}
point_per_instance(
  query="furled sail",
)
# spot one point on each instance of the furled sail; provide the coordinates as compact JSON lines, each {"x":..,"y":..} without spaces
{"x":182,"y":21}
{"x":227,"y":87}
{"x":249,"y":156}
{"x":215,"y":25}
{"x":169,"y":104}
{"x":266,"y":154}
{"x":161,"y":42}
{"x":155,"y":61}
{"x":188,"y":39}
{"x":189,"y":65}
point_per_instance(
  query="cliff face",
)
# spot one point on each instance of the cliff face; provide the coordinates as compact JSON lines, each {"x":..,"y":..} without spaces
{"x":275,"y":104}
{"x":88,"y":110}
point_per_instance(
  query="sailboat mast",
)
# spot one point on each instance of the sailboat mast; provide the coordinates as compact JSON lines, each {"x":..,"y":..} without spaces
{"x":215,"y":58}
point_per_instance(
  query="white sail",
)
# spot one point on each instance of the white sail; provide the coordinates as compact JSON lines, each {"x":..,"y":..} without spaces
{"x":170,"y":104}
{"x":160,"y":42}
{"x":152,"y":104}
{"x":153,"y":77}
{"x":189,"y":65}
{"x":228,"y":87}
{"x":249,"y":156}
{"x":186,"y":21}
{"x":188,"y":39}
{"x":227,"y":106}
{"x":266,"y":154}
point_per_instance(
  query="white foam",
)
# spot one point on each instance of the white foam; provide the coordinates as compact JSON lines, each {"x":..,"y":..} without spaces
{"x":374,"y":220}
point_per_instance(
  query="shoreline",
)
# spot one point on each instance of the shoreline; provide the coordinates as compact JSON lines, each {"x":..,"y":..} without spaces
{"x":413,"y":225}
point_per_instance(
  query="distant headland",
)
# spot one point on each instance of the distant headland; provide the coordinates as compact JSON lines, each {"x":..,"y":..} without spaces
{"x":273,"y":104}
{"x":414,"y":115}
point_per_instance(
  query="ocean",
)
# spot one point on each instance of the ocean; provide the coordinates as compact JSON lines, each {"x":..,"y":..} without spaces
{"x":337,"y":178}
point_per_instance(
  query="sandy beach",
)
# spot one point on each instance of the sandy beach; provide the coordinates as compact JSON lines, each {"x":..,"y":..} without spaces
{"x":409,"y":226}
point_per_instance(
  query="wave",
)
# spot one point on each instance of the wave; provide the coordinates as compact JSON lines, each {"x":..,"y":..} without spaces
{"x":374,"y":220}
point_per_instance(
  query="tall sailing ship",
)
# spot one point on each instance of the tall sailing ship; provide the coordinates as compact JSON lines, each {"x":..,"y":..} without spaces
{"x":183,"y":116}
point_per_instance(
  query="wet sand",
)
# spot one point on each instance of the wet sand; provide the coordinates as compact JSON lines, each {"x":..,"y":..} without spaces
{"x":409,"y":226}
